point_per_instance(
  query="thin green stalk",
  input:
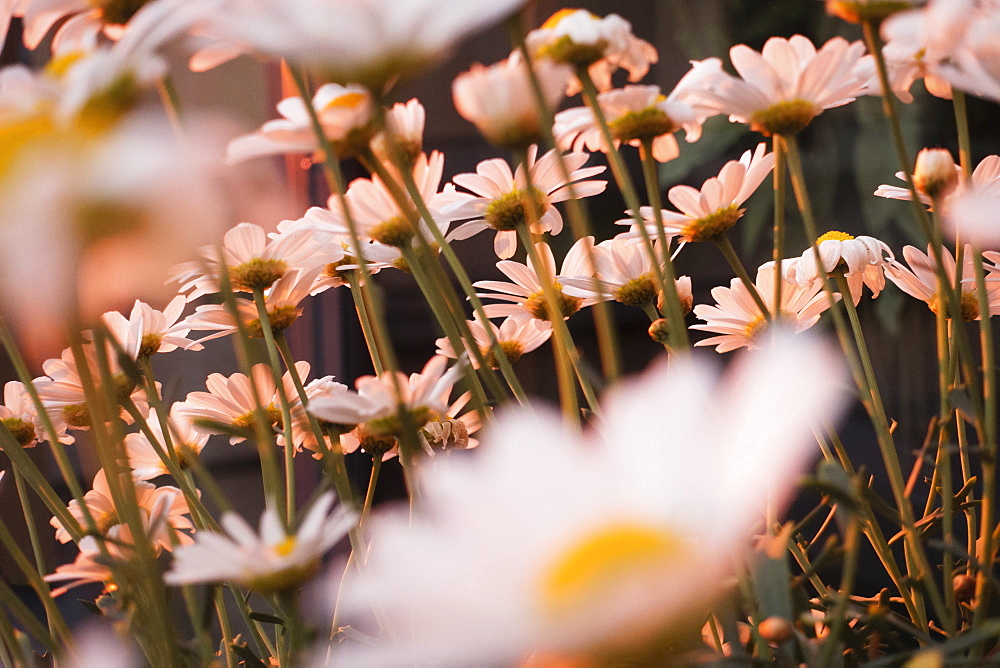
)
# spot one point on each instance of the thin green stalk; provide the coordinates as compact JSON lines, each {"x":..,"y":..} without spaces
{"x":370,"y":495}
{"x":726,"y":247}
{"x":847,"y":578}
{"x":359,"y":295}
{"x":780,"y":192}
{"x":576,"y":212}
{"x":274,"y":362}
{"x":227,"y":632}
{"x":36,"y":546}
{"x":962,"y":130}
{"x":30,"y":623}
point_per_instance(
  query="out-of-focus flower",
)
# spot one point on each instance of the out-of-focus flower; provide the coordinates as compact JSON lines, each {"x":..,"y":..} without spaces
{"x":372,"y":42}
{"x":344,"y":112}
{"x":270,"y":561}
{"x":19,"y":415}
{"x":783,"y":87}
{"x":861,"y":259}
{"x":152,"y":501}
{"x":230,"y":401}
{"x":526,"y":295}
{"x":920,"y":280}
{"x":602,"y":45}
{"x":875,"y":11}
{"x":498,"y":99}
{"x":710,"y":211}
{"x":499,"y":200}
{"x":738,"y":321}
{"x":606,"y":540}
{"x":985,"y":180}
{"x":186,"y":442}
{"x":634,"y":114}
{"x":935,"y":173}
{"x":516,"y":335}
{"x":93,"y":222}
{"x":404,"y":130}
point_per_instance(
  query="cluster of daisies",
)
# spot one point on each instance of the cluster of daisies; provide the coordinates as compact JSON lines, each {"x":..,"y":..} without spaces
{"x":603,"y":536}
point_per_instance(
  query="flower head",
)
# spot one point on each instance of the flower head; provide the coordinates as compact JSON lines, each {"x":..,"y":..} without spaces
{"x":270,"y":561}
{"x":502,"y":198}
{"x":19,"y":415}
{"x":861,"y":259}
{"x":517,"y":335}
{"x":606,"y":540}
{"x":186,"y":442}
{"x":920,"y":280}
{"x":783,"y":87}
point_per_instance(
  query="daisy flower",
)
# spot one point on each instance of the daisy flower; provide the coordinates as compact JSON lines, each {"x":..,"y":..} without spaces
{"x":602,"y":45}
{"x":708,"y":212}
{"x":187,"y":443}
{"x":861,"y":258}
{"x":19,"y":415}
{"x":499,"y":199}
{"x":345,"y":112}
{"x":516,"y":335}
{"x":737,"y":321}
{"x":625,"y":273}
{"x":405,"y":129}
{"x":498,"y":99}
{"x":920,"y":280}
{"x":89,"y":566}
{"x":230,"y":402}
{"x":634,"y":114}
{"x":876,"y":11}
{"x":526,"y":294}
{"x":374,"y":409}
{"x":328,"y":389}
{"x":152,"y":502}
{"x":373,"y":42}
{"x":594,"y":548}
{"x":784,"y":86}
{"x":269,"y":561}
{"x":155,"y":331}
{"x":281,"y":301}
{"x":453,"y":430}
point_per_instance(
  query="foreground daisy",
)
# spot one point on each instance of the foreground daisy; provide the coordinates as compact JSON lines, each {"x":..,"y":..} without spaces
{"x":500,"y":196}
{"x":709,"y":212}
{"x":784,"y":86}
{"x":738,"y":321}
{"x":860,"y":258}
{"x":270,"y":561}
{"x":516,"y":335}
{"x":605,"y":540}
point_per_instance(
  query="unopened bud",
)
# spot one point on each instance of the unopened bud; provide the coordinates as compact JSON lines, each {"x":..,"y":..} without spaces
{"x":935,"y":174}
{"x":659,"y":331}
{"x":684,"y":294}
{"x":775,"y":630}
{"x":965,"y":587}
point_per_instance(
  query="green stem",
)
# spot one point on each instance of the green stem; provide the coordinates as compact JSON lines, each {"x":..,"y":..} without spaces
{"x":726,"y":247}
{"x":370,"y":495}
{"x":780,"y":192}
{"x":360,"y":297}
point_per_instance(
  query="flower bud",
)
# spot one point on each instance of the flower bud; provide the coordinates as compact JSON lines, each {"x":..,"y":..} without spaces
{"x":775,"y":630}
{"x":935,"y":174}
{"x":659,"y":331}
{"x":965,"y":587}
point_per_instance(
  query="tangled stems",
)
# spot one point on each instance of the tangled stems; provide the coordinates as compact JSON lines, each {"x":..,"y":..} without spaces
{"x":864,"y":377}
{"x":664,"y":274}
{"x":780,"y":185}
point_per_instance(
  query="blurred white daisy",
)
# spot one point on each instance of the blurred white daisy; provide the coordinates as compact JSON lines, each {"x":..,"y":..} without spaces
{"x":784,"y":86}
{"x":499,"y":199}
{"x":344,"y":112}
{"x":861,"y":258}
{"x":710,"y":211}
{"x":19,"y":415}
{"x":737,"y":321}
{"x":269,"y":561}
{"x":499,"y":102}
{"x":602,"y":45}
{"x":187,"y":444}
{"x":549,"y":540}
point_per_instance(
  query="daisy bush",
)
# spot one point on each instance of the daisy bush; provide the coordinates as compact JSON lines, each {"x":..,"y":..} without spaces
{"x":596,"y":442}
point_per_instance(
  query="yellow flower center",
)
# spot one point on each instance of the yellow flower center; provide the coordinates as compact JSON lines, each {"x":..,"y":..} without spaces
{"x":396,"y":232}
{"x":645,"y":124}
{"x":247,"y":420}
{"x":18,"y":135}
{"x":256,"y":274}
{"x":150,"y":344}
{"x":636,"y":292}
{"x":285,"y":547}
{"x":23,"y":432}
{"x":392,"y":425}
{"x":506,"y":212}
{"x":62,"y":64}
{"x":785,"y":118}
{"x":512,"y":349}
{"x":969,"y":305}
{"x":346,"y":101}
{"x":597,"y":563}
{"x":281,"y":318}
{"x":834,"y":235}
{"x":554,"y":20}
{"x":76,"y":415}
{"x":109,"y":104}
{"x":876,"y":11}
{"x":538,"y":308}
{"x":711,"y":226}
